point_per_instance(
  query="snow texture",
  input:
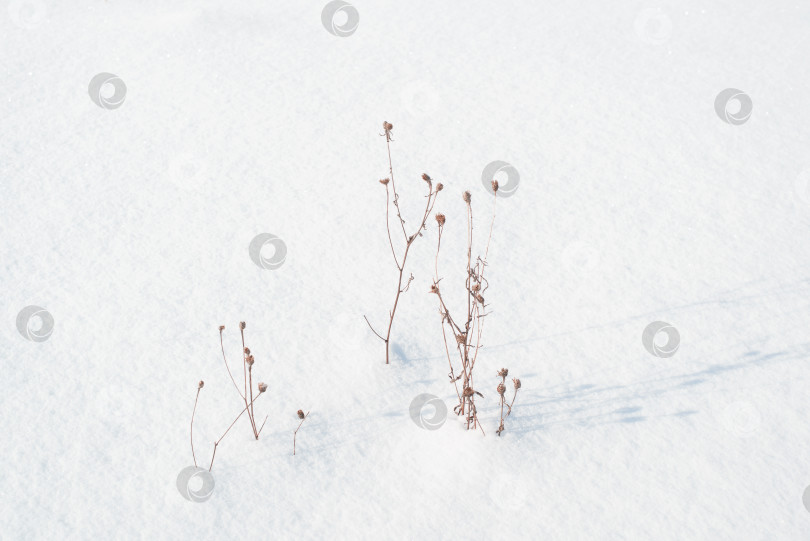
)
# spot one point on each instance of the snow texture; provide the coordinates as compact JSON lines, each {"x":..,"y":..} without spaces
{"x":129,"y":223}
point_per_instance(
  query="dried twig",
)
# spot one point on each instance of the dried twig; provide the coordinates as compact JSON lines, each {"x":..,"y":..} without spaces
{"x":262,"y":388}
{"x":199,"y":387}
{"x":393,"y":195}
{"x":303,"y":418}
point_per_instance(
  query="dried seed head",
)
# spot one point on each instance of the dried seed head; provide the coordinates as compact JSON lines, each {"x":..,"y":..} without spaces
{"x":440,"y":219}
{"x":503,"y":372}
{"x":479,"y":298}
{"x":242,"y":325}
{"x":439,"y":187}
{"x":434,"y":289}
{"x":200,"y":385}
{"x":388,"y":126}
{"x":262,"y":387}
{"x":384,"y":181}
{"x":501,"y":389}
{"x":517,"y":383}
{"x":301,"y":414}
{"x":468,"y":391}
{"x":426,"y":177}
{"x":476,"y":287}
{"x":221,"y":328}
{"x":461,"y":339}
{"x":247,"y":351}
{"x":467,"y":197}
{"x":495,"y":186}
{"x":250,"y":360}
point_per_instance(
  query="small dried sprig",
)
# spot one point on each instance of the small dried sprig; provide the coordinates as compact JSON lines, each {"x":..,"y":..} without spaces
{"x":303,"y":417}
{"x":392,"y":195}
{"x":199,"y":388}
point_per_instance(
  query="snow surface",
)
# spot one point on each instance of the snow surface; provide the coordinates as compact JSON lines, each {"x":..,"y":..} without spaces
{"x":636,"y":204}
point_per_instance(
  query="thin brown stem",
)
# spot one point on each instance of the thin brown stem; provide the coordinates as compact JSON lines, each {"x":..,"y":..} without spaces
{"x":192,"y":425}
{"x":296,"y":430}
{"x":227,"y":367}
{"x":216,"y":443}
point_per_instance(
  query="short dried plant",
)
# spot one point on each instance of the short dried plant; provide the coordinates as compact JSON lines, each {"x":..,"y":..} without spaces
{"x":246,"y":394}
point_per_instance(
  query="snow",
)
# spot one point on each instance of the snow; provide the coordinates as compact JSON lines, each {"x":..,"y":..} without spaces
{"x":131,"y":225}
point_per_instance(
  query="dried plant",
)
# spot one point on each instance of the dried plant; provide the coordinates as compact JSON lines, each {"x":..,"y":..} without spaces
{"x":502,"y":373}
{"x":467,"y":332}
{"x":303,"y":417}
{"x":392,"y":195}
{"x":247,"y":368}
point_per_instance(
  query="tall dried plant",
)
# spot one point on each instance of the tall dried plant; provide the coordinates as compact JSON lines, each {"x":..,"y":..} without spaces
{"x":392,"y":196}
{"x":466,"y":333}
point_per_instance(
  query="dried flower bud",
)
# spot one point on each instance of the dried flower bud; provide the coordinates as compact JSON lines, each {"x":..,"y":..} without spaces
{"x":200,"y":385}
{"x":461,"y":339}
{"x":476,"y":287}
{"x":247,"y":351}
{"x":517,"y":383}
{"x":467,"y":197}
{"x":440,"y":219}
{"x":242,"y":325}
{"x":301,"y":414}
{"x":426,"y":177}
{"x":250,"y":360}
{"x":503,"y":372}
{"x":221,"y":328}
{"x":468,"y":391}
{"x":385,"y":181}
{"x":388,"y":126}
{"x":479,"y":298}
{"x":495,"y":186}
{"x":262,"y":387}
{"x":439,"y":187}
{"x":501,"y":389}
{"x":434,"y":289}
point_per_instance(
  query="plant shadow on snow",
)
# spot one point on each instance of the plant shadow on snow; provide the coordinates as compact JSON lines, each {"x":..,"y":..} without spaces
{"x":590,"y":404}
